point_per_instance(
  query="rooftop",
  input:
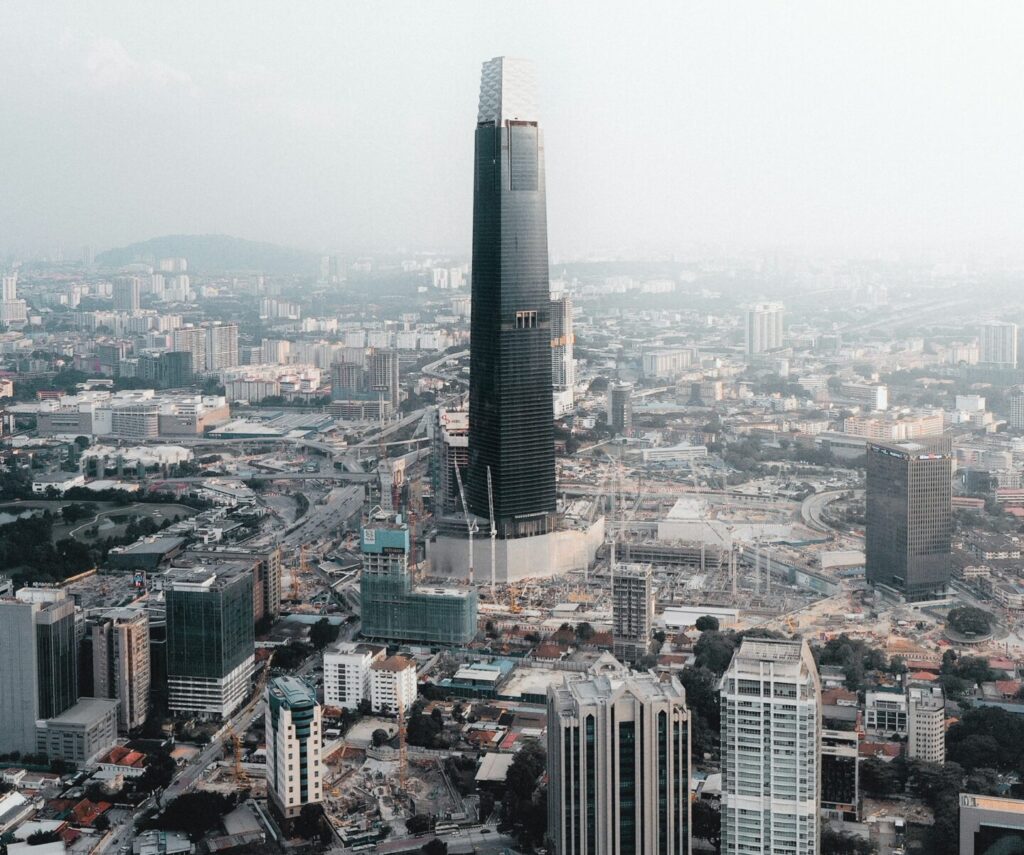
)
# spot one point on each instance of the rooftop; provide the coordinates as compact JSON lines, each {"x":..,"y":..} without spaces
{"x":292,"y":691}
{"x":86,"y":711}
{"x":393,"y":663}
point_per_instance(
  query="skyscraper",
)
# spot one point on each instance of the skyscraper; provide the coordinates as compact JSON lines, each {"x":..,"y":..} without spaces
{"x":221,"y":346}
{"x":909,"y":516}
{"x":210,"y":643}
{"x":38,"y":664}
{"x":771,"y":749}
{"x":12,"y":310}
{"x":383,"y":375}
{"x":999,"y":344}
{"x":632,"y":611}
{"x":295,"y":770}
{"x":764,"y":327}
{"x":120,"y":662}
{"x":618,"y":764}
{"x":511,"y":423}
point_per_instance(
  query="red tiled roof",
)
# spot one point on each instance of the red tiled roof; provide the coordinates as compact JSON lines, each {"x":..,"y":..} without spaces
{"x":879,"y":749}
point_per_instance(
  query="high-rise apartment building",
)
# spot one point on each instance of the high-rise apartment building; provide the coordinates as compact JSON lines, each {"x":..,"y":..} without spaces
{"x":9,"y":286}
{"x":392,"y":684}
{"x":632,"y":611}
{"x":1015,"y":403}
{"x":999,"y":341}
{"x":210,"y":644}
{"x":393,"y":609}
{"x":295,"y":769}
{"x":191,"y":340}
{"x":771,"y":749}
{"x":618,"y":764}
{"x":13,"y":312}
{"x":38,"y":663}
{"x":126,"y":292}
{"x":511,"y":422}
{"x":221,"y":346}
{"x":120,"y":663}
{"x":620,"y":408}
{"x":347,"y":673}
{"x":909,"y":509}
{"x":926,"y":724}
{"x":764,"y":328}
{"x":563,"y":363}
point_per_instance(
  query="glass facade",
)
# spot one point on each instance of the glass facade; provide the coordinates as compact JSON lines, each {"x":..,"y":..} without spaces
{"x":56,"y":649}
{"x":210,"y":630}
{"x":511,"y":421}
{"x":909,"y":511}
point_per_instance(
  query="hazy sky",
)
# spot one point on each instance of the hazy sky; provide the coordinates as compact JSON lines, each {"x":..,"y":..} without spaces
{"x":349,"y":125}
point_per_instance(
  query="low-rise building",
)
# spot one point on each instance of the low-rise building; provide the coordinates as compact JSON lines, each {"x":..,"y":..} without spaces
{"x":81,"y":732}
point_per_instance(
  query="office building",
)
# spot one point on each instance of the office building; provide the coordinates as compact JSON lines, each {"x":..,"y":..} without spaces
{"x":221,"y":346}
{"x":511,"y":422}
{"x":909,"y":516}
{"x":263,"y":563}
{"x":840,"y":760}
{"x":126,"y":292}
{"x":120,"y":663}
{"x":383,"y":372}
{"x":169,"y":370}
{"x":999,"y":341}
{"x":620,"y":408}
{"x":295,"y":769}
{"x":926,"y":724}
{"x":393,"y":609}
{"x":764,"y":328}
{"x":563,"y":363}
{"x":392,"y":684}
{"x":618,"y":764}
{"x":210,"y":645}
{"x":347,"y":673}
{"x":990,"y":825}
{"x":885,"y":713}
{"x":632,"y":611}
{"x":84,"y":730}
{"x":771,"y":749}
{"x":38,"y":663}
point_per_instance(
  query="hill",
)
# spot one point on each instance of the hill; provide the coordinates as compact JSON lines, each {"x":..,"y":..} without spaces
{"x":212,"y":254}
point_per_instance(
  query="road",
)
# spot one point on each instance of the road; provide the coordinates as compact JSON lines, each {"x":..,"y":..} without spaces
{"x":813,"y":506}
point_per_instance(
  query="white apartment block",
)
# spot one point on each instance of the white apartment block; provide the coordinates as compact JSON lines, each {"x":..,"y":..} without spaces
{"x":926,"y":724}
{"x":295,"y":769}
{"x":347,"y":673}
{"x":999,"y":344}
{"x":764,"y":327}
{"x":771,"y":749}
{"x":392,"y":684}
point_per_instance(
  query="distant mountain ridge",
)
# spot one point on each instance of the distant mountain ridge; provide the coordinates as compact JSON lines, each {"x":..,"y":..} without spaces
{"x":212,"y":254}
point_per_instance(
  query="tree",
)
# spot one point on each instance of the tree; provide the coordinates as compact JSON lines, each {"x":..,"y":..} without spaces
{"x":37,"y":838}
{"x":434,"y":846}
{"x":419,"y":823}
{"x":524,"y":809}
{"x":102,"y":823}
{"x":969,"y":621}
{"x":584,"y":632}
{"x":310,"y":823}
{"x":707,"y":622}
{"x":707,"y":823}
{"x":713,"y":650}
{"x":379,"y":737}
{"x":195,"y":813}
{"x":323,"y":633}
{"x":840,"y":843}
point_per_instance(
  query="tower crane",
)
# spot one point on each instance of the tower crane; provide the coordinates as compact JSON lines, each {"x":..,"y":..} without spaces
{"x":471,"y":526}
{"x":494,"y":530}
{"x":403,"y":757}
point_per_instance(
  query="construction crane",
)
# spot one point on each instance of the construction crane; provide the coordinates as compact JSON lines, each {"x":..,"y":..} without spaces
{"x":236,"y":750}
{"x":471,"y":526}
{"x":494,"y":531}
{"x":403,"y":757}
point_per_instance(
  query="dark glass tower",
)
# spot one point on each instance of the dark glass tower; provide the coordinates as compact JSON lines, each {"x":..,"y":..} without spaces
{"x":511,"y":422}
{"x":909,"y":516}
